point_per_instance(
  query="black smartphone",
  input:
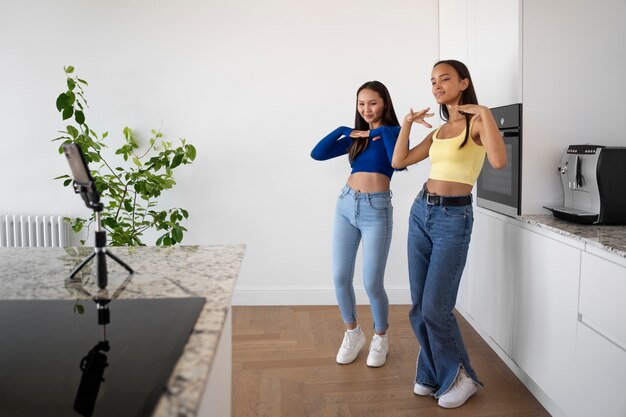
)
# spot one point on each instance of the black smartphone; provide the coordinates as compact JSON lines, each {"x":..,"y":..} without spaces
{"x":83,"y":181}
{"x":78,"y":164}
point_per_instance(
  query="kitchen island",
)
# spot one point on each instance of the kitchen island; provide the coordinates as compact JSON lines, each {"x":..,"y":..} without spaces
{"x":177,"y":272}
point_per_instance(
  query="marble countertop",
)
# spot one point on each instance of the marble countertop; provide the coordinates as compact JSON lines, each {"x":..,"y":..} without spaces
{"x":160,"y":272}
{"x":610,"y":238}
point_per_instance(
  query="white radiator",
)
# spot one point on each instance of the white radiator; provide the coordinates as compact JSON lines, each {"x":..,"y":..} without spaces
{"x":33,"y":231}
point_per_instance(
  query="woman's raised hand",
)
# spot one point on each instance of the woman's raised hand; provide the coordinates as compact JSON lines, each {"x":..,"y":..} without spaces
{"x":474,"y":109}
{"x":418,"y":117}
{"x":362,"y":134}
{"x":358,"y":134}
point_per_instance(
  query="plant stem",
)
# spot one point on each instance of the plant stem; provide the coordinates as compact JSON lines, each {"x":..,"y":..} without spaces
{"x":119,"y":205}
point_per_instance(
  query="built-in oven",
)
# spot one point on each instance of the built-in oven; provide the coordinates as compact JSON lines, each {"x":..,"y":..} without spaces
{"x":500,"y":189}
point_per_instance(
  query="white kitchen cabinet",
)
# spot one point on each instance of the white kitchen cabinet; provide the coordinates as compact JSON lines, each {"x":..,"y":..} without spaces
{"x":454,"y":17}
{"x":486,"y":36}
{"x":600,"y":357}
{"x":496,"y":57}
{"x":491,"y":295}
{"x":546,"y":312}
{"x":602,"y":291}
{"x":600,"y":371}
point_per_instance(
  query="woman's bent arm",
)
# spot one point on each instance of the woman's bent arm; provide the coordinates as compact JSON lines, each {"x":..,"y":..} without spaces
{"x":402,"y":155}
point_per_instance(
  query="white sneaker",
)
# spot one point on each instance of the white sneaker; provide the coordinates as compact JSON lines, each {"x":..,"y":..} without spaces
{"x":353,"y":342}
{"x":422,"y":390}
{"x":462,"y":388}
{"x":378,"y":351}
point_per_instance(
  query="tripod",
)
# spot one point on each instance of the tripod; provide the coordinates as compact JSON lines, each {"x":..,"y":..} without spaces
{"x":100,"y":253}
{"x":85,"y":185}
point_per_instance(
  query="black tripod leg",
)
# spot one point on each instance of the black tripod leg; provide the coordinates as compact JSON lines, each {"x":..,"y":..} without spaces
{"x":103,"y":279}
{"x":82,"y":264}
{"x":119,"y":261}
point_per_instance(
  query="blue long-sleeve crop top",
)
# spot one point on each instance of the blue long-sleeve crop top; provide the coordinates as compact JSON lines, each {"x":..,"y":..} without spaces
{"x":375,"y":158}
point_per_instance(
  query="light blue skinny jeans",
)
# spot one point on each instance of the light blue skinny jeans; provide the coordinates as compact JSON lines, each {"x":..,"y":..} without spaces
{"x":367,"y":217}
{"x":438,"y":242}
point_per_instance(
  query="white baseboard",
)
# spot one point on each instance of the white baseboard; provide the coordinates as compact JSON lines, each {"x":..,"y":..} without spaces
{"x":263,"y":296}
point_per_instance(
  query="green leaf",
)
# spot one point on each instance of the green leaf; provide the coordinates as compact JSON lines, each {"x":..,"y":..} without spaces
{"x":177,"y":234}
{"x":177,"y":160}
{"x":71,"y":98}
{"x":72,"y":131}
{"x":82,"y":81}
{"x":127,"y":133}
{"x":69,"y":70}
{"x":67,"y":182}
{"x":70,"y":84}
{"x":68,"y":112}
{"x":62,"y":101}
{"x":79,"y":116}
{"x":136,"y":161}
{"x":77,"y":227}
{"x":79,"y":308}
{"x":109,"y":222}
{"x":191,"y":151}
{"x":59,"y":138}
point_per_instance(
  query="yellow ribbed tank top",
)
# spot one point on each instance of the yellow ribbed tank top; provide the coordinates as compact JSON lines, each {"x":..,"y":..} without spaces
{"x":449,"y":163}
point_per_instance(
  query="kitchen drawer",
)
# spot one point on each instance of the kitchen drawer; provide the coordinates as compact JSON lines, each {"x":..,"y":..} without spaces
{"x":602,"y":290}
{"x":599,"y":386}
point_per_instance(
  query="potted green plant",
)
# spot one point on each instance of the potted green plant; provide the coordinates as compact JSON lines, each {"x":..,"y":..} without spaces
{"x":130,"y":193}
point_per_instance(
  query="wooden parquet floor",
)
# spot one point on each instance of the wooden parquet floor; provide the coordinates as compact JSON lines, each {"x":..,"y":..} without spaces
{"x":284,"y":366}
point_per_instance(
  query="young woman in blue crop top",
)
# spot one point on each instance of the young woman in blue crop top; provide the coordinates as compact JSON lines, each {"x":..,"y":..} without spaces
{"x":440,"y":226}
{"x":364,"y":212}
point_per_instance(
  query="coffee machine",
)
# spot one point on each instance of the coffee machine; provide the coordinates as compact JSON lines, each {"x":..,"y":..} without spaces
{"x":594,"y":185}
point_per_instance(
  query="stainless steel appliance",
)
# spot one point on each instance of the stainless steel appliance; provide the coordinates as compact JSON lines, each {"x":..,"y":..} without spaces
{"x":500,"y":189}
{"x":594,"y":185}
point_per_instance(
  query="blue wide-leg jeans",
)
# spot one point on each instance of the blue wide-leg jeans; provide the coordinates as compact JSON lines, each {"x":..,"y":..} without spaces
{"x":367,"y":217}
{"x":438,"y":242}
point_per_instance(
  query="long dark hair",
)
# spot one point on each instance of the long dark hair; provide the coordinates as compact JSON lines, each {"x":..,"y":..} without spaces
{"x":389,"y":117}
{"x":468,"y":96}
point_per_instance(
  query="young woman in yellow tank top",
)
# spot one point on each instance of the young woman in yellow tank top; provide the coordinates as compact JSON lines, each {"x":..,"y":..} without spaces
{"x":440,"y":227}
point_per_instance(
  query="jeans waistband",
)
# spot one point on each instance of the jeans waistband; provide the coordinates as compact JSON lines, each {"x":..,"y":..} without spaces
{"x":442,"y":200}
{"x":347,"y":190}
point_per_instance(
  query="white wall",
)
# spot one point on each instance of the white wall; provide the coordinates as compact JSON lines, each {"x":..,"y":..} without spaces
{"x":253,"y":85}
{"x":574,"y":87}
